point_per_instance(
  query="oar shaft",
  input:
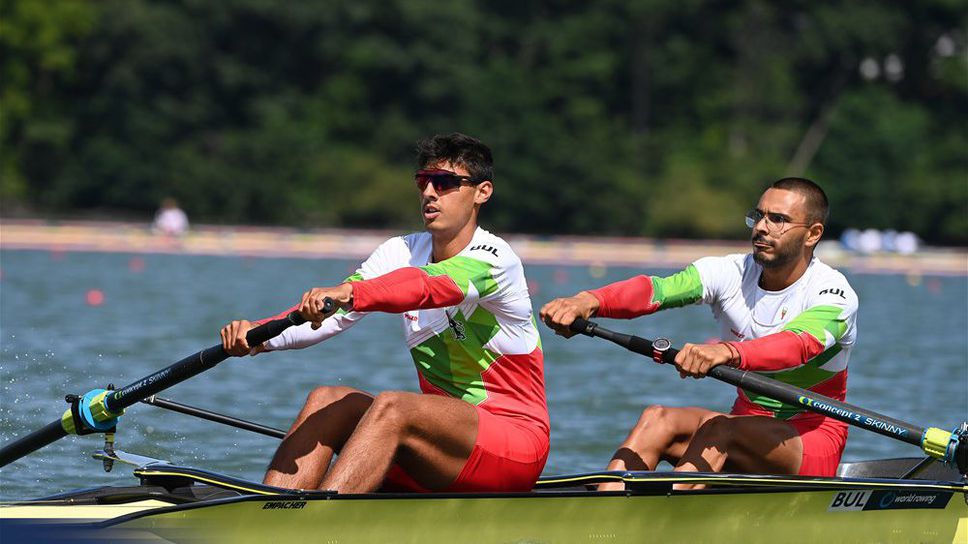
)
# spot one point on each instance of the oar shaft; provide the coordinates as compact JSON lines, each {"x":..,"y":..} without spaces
{"x":147,"y":386}
{"x":820,"y":404}
{"x":214,"y":416}
{"x":32,"y":442}
{"x":780,"y":391}
{"x":163,"y":379}
{"x":193,"y":365}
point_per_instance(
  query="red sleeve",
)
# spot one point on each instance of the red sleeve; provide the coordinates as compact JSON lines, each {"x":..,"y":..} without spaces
{"x":405,"y":289}
{"x":777,"y":351}
{"x":626,"y":299}
{"x":277,"y":316}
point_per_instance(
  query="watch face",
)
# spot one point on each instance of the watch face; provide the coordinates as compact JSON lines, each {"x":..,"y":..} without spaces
{"x":661,"y":344}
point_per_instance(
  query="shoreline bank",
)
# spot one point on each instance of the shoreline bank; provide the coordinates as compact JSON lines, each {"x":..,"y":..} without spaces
{"x":269,"y":242}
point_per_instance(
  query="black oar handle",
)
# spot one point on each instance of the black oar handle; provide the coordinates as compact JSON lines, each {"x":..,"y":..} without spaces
{"x":630,"y":342}
{"x":808,"y":400}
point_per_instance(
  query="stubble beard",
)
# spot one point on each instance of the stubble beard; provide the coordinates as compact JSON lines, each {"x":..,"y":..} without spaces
{"x":783,"y":255}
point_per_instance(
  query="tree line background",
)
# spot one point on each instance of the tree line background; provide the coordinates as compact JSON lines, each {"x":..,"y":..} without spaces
{"x":617,"y":117}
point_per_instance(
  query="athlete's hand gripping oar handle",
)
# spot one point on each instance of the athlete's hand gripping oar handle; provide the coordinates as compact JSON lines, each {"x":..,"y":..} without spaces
{"x":630,"y":342}
{"x":951,"y":447}
{"x":106,"y":406}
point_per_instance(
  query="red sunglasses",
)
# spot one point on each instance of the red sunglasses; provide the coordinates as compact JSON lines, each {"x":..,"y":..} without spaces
{"x":443,"y":180}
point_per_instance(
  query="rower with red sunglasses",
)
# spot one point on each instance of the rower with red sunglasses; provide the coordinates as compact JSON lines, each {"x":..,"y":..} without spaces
{"x":481,"y":422}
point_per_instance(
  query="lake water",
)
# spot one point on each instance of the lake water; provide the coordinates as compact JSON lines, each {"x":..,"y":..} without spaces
{"x":911,"y":360}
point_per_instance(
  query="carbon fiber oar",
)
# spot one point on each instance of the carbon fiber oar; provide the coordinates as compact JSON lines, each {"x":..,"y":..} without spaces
{"x":98,"y":410}
{"x":949,"y":447}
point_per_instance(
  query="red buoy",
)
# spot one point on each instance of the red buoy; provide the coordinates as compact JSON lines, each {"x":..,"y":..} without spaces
{"x":95,"y":297}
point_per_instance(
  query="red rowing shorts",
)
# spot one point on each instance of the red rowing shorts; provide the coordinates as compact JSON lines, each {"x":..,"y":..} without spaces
{"x":508,"y":455}
{"x":823,"y":444}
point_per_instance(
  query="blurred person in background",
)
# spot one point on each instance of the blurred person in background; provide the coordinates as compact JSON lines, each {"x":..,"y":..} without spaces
{"x":481,"y":422}
{"x":907,"y":243}
{"x":787,"y":315}
{"x":870,"y":241}
{"x":170,"y":219}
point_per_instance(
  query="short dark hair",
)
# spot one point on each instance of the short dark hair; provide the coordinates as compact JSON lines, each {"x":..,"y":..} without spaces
{"x":459,"y":149}
{"x":817,"y":205}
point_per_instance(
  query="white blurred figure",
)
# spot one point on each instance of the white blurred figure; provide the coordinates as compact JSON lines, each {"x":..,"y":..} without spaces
{"x":849,"y":239}
{"x":907,"y":243}
{"x":170,"y":219}
{"x":869,"y":241}
{"x":889,"y":240}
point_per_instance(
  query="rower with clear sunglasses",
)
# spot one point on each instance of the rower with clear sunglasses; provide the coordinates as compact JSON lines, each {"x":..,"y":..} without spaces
{"x":782,"y":312}
{"x":480,"y":422}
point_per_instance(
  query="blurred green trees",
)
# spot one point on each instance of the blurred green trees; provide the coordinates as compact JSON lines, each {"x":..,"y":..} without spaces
{"x":623,"y":117}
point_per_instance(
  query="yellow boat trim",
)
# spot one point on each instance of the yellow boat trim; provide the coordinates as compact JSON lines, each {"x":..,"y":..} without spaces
{"x":90,"y":512}
{"x":217,"y":483}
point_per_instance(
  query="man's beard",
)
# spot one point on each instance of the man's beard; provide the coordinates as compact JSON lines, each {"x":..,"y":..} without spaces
{"x":782,"y":254}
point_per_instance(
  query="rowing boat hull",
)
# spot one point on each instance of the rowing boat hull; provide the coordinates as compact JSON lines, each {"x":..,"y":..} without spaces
{"x":747,"y":517}
{"x":850,"y":513}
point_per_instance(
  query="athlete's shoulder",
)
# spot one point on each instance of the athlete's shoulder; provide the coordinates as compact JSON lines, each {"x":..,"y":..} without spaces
{"x":490,"y":247}
{"x":413,"y":239}
{"x":393,"y":253}
{"x":405,"y":244}
{"x":824,"y":273}
{"x":733,"y":260}
{"x":395,"y":246}
{"x":720,"y":276}
{"x":823,"y":269}
{"x":828,"y":282}
{"x":734,"y":264}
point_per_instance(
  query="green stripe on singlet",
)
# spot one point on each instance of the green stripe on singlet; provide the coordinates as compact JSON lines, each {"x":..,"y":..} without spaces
{"x":805,"y":376}
{"x":455,"y":365}
{"x":818,"y":321}
{"x":465,"y":271}
{"x":679,"y":289}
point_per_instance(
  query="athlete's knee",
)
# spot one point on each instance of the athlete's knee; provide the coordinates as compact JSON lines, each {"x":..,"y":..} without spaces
{"x":389,"y":408}
{"x":655,"y":412}
{"x":654,"y":427}
{"x":716,"y":431}
{"x":327,"y":394}
{"x":654,"y":418}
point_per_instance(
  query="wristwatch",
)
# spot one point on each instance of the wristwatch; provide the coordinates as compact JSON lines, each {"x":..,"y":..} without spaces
{"x":659,"y":347}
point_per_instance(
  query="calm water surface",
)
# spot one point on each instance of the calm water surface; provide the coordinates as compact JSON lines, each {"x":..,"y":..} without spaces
{"x":911,"y":360}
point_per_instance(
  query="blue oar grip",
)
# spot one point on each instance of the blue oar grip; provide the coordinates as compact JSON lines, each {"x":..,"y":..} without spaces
{"x":92,"y":398}
{"x":952,"y":450}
